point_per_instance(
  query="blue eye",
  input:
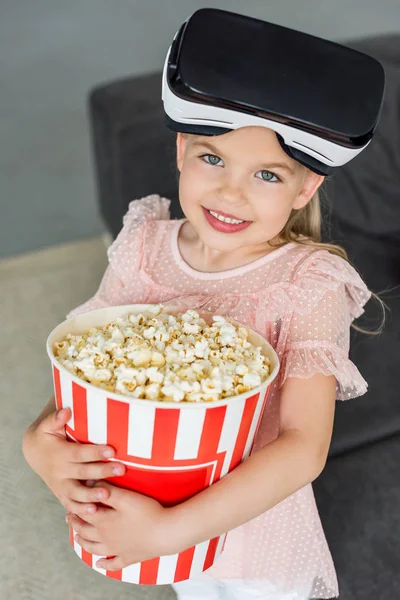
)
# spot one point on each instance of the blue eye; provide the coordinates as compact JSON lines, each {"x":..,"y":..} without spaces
{"x":213,"y":159}
{"x":269,"y":178}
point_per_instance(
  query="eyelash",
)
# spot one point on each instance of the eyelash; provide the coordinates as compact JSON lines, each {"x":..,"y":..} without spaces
{"x":264,"y":170}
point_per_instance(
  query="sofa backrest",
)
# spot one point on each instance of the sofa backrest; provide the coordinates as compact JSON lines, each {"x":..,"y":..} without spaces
{"x":366,"y":192}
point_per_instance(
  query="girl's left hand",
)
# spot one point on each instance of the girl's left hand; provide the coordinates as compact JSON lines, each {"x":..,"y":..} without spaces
{"x":132,"y":530}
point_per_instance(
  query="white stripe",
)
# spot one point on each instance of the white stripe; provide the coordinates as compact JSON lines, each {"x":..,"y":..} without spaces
{"x":131,"y":573}
{"x":167,"y":568}
{"x":199,"y":557}
{"x":77,"y":547}
{"x":96,"y":402}
{"x":95,"y":558}
{"x":257,"y":412}
{"x":230,"y":430}
{"x":140,"y":431}
{"x":219,"y":546}
{"x":57,"y":400}
{"x":190,"y":428}
{"x":66,"y":395}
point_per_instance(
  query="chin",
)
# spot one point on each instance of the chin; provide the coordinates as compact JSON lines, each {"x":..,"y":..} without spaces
{"x":220,"y":242}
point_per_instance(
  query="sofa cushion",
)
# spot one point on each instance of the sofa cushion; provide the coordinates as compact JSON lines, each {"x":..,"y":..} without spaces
{"x":357,"y":496}
{"x":376,"y":414}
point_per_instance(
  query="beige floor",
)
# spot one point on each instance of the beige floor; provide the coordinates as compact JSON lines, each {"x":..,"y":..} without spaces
{"x":36,"y":291}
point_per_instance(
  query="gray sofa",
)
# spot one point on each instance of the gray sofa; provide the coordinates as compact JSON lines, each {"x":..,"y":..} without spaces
{"x":358,"y":494}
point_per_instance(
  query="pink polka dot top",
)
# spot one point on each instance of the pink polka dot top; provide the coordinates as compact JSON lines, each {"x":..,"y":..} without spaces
{"x":303,"y":301}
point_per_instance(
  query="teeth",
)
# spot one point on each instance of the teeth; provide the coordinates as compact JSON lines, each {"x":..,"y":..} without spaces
{"x":224,"y":219}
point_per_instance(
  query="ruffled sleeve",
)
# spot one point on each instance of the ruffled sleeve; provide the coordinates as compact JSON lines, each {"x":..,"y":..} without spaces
{"x":125,"y":254}
{"x":121,"y":282}
{"x":324,"y":297}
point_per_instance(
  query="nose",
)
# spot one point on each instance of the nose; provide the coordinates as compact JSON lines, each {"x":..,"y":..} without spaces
{"x":231,"y":192}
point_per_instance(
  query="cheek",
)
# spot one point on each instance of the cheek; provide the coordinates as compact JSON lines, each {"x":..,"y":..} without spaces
{"x":198,"y":171}
{"x":273,"y":209}
{"x":192,"y":185}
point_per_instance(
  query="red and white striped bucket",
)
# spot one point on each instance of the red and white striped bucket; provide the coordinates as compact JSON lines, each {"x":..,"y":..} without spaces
{"x":171,"y":451}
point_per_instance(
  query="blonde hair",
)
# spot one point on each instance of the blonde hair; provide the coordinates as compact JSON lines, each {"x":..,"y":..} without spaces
{"x":304,"y":228}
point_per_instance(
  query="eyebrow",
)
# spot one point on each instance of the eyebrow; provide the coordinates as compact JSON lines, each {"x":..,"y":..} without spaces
{"x":275,"y":165}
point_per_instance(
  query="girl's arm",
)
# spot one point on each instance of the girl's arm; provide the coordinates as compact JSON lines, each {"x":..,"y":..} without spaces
{"x":270,"y":475}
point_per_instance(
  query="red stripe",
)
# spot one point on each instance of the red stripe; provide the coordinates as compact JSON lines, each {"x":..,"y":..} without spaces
{"x":184,"y":564}
{"x":115,"y":574}
{"x":212,"y":547}
{"x":117,"y":425}
{"x":87,"y":557}
{"x":149,"y":571}
{"x":260,"y":417}
{"x":245,"y":424}
{"x":57,"y":387}
{"x":211,"y":434}
{"x":165,"y":433}
{"x":80,"y":412}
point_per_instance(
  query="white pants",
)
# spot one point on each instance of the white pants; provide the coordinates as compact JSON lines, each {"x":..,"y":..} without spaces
{"x":206,"y":587}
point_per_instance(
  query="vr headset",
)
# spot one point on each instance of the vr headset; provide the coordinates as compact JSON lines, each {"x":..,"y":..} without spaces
{"x":224,"y":71}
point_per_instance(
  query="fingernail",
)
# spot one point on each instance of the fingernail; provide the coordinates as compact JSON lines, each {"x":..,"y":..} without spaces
{"x":118,"y":470}
{"x":67,"y":519}
{"x":108,"y":453}
{"x":101,"y":495}
{"x":90,"y":509}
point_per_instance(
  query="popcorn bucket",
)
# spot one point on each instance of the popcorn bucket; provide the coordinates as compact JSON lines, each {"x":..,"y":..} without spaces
{"x":171,"y":450}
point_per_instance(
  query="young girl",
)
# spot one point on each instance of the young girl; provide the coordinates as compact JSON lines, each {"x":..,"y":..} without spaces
{"x":249,"y":248}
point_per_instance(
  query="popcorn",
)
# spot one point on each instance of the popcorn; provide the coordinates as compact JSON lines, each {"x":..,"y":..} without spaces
{"x":173,"y":391}
{"x":157,"y":359}
{"x":200,"y":349}
{"x":140,"y":357}
{"x":169,"y":358}
{"x":152,"y":391}
{"x":251,"y":380}
{"x":241,"y":370}
{"x":154,"y":375}
{"x":190,"y":328}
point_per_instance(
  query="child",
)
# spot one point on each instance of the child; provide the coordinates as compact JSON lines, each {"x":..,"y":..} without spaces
{"x":249,"y":248}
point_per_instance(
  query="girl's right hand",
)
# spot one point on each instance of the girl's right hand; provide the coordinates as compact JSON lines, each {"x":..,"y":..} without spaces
{"x":65,"y":467}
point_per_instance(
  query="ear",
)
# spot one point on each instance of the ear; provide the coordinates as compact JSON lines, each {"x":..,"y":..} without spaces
{"x":312,"y":181}
{"x":181,"y":142}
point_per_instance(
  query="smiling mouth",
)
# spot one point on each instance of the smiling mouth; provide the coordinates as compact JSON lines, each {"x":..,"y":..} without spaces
{"x":225,"y":219}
